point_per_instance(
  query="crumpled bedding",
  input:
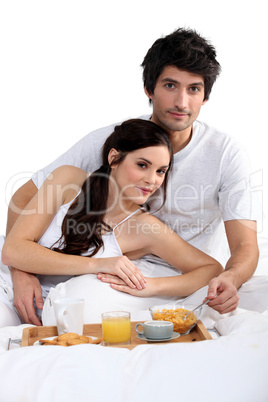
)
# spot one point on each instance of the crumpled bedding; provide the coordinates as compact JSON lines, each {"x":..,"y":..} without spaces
{"x":232,"y":367}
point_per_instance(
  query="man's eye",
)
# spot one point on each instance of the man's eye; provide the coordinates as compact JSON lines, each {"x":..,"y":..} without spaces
{"x":169,"y":85}
{"x":194,"y":89}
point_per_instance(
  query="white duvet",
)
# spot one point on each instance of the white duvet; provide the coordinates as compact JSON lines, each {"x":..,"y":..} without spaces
{"x":229,"y":368}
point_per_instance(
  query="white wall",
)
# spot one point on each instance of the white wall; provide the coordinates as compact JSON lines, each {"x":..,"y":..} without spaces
{"x":68,"y":67}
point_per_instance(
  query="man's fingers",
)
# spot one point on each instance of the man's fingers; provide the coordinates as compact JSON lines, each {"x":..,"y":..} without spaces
{"x":39,"y":299}
{"x":27,"y":312}
{"x":212,"y":288}
{"x":34,"y":319}
{"x":223,"y":305}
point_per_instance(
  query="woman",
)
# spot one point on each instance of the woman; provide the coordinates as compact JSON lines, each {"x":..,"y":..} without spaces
{"x":97,"y":224}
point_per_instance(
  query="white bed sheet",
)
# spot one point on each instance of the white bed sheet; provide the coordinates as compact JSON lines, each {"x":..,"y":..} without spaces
{"x":233,"y":367}
{"x":230,"y":368}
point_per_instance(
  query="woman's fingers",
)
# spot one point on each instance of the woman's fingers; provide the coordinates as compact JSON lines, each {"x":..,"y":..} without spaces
{"x":126,"y":270}
{"x":112,"y":279}
{"x":132,"y":275}
{"x":150,"y":290}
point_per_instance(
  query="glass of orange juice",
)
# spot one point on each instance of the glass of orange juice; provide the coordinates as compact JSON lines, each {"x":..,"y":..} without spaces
{"x":116,"y":328}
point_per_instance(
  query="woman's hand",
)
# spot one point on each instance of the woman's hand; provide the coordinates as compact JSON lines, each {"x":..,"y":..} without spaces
{"x":123,"y":269}
{"x":152,"y":285}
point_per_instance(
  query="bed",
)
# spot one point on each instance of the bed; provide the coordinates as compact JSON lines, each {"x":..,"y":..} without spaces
{"x":233,"y":366}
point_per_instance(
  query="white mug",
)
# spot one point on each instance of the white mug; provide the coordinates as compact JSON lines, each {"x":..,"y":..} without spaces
{"x":155,"y":329}
{"x":69,"y":315}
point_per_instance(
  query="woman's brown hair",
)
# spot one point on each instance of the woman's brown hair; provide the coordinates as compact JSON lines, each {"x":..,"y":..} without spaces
{"x":83,"y":224}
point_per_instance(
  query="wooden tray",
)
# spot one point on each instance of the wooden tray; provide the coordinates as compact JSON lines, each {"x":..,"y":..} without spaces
{"x":33,"y":334}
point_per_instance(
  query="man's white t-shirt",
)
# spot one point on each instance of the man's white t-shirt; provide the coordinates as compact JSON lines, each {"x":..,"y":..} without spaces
{"x":209,"y":184}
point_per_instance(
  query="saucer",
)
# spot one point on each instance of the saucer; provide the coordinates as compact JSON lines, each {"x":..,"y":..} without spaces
{"x":175,"y":335}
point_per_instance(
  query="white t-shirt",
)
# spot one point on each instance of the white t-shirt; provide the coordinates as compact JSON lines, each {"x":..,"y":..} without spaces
{"x":209,"y":184}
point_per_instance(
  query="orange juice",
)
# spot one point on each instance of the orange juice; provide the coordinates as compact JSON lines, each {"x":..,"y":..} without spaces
{"x":116,"y":327}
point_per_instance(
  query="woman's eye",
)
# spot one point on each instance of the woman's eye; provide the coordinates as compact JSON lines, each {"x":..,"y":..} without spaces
{"x":162,"y":171}
{"x":142,"y":165}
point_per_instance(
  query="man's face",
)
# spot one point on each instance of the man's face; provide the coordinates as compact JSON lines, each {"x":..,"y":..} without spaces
{"x":177,"y":99}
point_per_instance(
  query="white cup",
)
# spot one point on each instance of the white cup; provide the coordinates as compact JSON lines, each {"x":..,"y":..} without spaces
{"x":155,"y":329}
{"x":69,"y":315}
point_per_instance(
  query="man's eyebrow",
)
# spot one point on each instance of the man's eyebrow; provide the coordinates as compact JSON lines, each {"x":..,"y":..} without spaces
{"x":150,"y":163}
{"x":199,"y":83}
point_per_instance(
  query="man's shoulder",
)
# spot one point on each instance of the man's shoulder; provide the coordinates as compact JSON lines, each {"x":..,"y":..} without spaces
{"x":107,"y":130}
{"x":218,"y":142}
{"x":205,"y":128}
{"x":213,"y":135}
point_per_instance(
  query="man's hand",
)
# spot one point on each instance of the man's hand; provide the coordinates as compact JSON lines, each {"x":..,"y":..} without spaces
{"x":27,"y":288}
{"x":242,"y":239}
{"x":227,"y":298}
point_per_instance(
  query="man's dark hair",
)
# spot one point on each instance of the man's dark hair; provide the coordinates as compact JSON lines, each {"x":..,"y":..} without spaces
{"x":186,"y":50}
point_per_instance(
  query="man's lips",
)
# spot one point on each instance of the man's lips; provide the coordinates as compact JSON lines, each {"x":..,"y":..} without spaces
{"x":178,"y":115}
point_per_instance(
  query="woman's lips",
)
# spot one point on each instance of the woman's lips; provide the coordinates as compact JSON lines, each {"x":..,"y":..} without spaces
{"x":144,"y":190}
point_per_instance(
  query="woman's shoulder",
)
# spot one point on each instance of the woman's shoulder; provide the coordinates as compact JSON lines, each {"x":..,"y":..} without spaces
{"x":149,"y":221}
{"x":68,"y":174}
{"x":67,"y":181}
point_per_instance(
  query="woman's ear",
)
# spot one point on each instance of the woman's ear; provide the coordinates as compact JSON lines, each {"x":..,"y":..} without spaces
{"x":112,"y":155}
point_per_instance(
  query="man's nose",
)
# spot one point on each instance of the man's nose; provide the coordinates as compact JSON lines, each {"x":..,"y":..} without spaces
{"x":181,"y":99}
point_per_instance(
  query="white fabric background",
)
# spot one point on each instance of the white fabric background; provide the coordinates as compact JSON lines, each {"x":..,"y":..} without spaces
{"x":70,"y":67}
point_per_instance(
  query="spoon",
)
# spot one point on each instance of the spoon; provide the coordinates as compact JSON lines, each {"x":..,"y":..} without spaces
{"x":196,"y":308}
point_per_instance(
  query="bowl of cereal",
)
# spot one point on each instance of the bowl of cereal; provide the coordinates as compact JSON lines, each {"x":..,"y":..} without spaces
{"x":176,"y":314}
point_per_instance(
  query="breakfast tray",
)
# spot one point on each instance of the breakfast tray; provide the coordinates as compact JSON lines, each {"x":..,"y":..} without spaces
{"x":33,"y":334}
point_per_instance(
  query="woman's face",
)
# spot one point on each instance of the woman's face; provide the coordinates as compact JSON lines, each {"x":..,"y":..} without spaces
{"x":141,"y":173}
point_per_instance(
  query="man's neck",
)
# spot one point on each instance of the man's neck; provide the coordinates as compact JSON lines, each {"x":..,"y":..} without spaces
{"x":179,"y":139}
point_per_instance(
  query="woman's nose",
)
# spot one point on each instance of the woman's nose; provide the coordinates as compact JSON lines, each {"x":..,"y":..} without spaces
{"x":150,"y":177}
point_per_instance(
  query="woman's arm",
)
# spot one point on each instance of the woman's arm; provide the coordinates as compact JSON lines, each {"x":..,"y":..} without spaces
{"x":22,"y":251}
{"x":178,"y":286}
{"x":151,"y":236}
{"x":158,"y":239}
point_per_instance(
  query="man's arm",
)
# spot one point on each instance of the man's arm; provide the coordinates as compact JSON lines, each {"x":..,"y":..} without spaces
{"x":242,"y":239}
{"x":26,"y":286}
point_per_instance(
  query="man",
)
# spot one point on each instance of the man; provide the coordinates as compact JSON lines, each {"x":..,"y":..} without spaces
{"x":209,"y":182}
